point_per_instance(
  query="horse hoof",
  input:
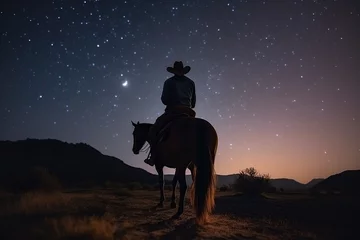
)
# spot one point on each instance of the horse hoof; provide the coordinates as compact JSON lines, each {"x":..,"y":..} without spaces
{"x":173,"y":205}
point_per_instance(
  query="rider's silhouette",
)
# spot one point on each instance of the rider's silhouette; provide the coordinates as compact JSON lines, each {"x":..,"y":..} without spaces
{"x":179,"y":97}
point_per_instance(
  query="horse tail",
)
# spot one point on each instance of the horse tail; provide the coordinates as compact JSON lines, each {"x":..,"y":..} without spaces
{"x":203,"y":197}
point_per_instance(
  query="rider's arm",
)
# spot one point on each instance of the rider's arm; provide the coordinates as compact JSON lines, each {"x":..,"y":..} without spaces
{"x":193,"y":98}
{"x":165,"y":98}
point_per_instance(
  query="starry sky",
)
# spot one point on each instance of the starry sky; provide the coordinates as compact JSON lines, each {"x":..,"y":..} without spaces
{"x":279,"y":80}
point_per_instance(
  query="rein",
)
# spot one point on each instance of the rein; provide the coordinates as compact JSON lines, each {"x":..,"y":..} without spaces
{"x":145,"y":148}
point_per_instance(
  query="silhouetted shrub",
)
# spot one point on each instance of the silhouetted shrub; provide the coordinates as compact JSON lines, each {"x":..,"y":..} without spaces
{"x":37,"y":179}
{"x":224,"y":188}
{"x":251,"y":182}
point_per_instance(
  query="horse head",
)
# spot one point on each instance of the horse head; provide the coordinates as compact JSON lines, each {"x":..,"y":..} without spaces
{"x":140,"y":134}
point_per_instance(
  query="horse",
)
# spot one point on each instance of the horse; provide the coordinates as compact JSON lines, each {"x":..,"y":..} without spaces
{"x":189,"y":143}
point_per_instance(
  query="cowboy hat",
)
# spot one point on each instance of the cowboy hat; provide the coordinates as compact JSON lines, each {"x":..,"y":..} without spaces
{"x":178,"y":68}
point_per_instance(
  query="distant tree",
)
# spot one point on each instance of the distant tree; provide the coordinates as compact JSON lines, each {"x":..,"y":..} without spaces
{"x":251,"y":182}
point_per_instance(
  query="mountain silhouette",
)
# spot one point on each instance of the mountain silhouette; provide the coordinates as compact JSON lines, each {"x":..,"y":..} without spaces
{"x":345,"y":182}
{"x":278,"y":183}
{"x":72,"y":164}
{"x":220,"y":179}
{"x":287,"y":184}
{"x":79,"y":163}
{"x":314,"y":182}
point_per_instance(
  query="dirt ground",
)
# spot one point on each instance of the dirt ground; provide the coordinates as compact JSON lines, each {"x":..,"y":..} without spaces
{"x":124,"y":214}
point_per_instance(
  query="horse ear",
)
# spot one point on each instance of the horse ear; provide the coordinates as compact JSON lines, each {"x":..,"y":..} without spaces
{"x":133,"y":123}
{"x":138,"y":122}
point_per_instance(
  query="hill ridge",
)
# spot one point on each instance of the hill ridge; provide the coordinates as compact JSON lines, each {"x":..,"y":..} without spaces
{"x":72,"y":163}
{"x":344,"y":182}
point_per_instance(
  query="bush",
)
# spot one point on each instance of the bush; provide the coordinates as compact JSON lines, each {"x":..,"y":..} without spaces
{"x":69,"y":227}
{"x":251,"y":182}
{"x":40,"y":202}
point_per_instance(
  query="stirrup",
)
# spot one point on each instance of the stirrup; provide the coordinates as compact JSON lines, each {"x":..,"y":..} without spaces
{"x":149,"y":161}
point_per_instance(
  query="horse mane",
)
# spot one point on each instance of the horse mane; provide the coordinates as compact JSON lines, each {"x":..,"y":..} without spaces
{"x":147,"y":126}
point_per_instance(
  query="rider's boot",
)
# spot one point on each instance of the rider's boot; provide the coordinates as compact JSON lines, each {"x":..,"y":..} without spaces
{"x":150,"y":160}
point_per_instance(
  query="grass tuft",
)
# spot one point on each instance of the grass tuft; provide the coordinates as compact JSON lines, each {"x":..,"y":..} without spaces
{"x":96,"y":228}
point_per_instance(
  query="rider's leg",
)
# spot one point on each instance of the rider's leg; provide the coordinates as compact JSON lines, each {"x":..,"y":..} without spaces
{"x":149,"y":159}
{"x":153,"y":138}
{"x":159,"y":123}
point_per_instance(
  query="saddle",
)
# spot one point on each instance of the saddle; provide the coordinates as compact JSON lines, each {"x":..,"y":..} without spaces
{"x":164,"y":130}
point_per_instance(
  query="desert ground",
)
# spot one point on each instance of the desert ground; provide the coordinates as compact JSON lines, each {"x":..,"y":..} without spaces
{"x":118,"y":213}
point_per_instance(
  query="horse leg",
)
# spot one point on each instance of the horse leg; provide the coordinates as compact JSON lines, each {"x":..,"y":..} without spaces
{"x":174,"y":182}
{"x":161,"y":186}
{"x":182,"y":181}
{"x":192,"y":170}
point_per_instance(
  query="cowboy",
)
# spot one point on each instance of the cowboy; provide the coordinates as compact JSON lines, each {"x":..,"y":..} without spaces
{"x":179,"y":98}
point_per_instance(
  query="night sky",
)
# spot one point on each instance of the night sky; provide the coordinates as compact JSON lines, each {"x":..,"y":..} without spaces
{"x":279,"y":80}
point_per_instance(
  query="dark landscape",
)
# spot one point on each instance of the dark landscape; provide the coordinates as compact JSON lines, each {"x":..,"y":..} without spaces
{"x":42,"y":197}
{"x":98,"y":98}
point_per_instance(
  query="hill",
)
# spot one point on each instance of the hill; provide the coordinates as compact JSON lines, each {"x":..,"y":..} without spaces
{"x":72,"y":164}
{"x":284,"y":183}
{"x":345,"y":182}
{"x":314,"y":182}
{"x":287,"y":184}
